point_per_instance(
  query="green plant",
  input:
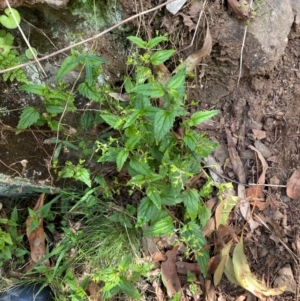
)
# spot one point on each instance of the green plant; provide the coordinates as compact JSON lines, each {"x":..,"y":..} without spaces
{"x":161,"y":149}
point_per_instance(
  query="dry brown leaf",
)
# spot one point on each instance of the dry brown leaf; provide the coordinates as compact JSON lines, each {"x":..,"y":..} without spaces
{"x":225,"y":230}
{"x":162,"y":73}
{"x":259,"y":134}
{"x":293,"y":185}
{"x":241,"y":8}
{"x":262,"y":178}
{"x":36,"y":237}
{"x":238,"y":169}
{"x":159,"y":256}
{"x":183,"y":267}
{"x":255,"y":193}
{"x":195,"y":58}
{"x":236,"y":162}
{"x":210,"y":293}
{"x":187,"y":21}
{"x":209,"y":228}
{"x":213,"y":263}
{"x":158,"y":291}
{"x":119,"y":96}
{"x":93,"y":290}
{"x":169,"y":272}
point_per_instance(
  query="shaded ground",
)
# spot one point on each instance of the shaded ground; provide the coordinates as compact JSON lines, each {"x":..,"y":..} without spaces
{"x":269,"y":103}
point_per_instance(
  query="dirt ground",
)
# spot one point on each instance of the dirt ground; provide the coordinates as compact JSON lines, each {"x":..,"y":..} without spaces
{"x":269,"y":103}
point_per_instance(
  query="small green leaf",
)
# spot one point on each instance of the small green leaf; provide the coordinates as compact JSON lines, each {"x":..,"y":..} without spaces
{"x":159,"y":57}
{"x":67,"y":65}
{"x":31,"y":53}
{"x":200,"y":117}
{"x":89,"y":92}
{"x":202,"y":259}
{"x":176,"y":85}
{"x":138,"y":41}
{"x":191,"y":202}
{"x":154,"y":90}
{"x":147,"y":211}
{"x":155,"y":41}
{"x":163,"y":122}
{"x":128,"y":288}
{"x":87,"y":119}
{"x":8,"y":20}
{"x":139,"y":165}
{"x":154,"y":195}
{"x":35,"y":89}
{"x":28,"y":117}
{"x":83,"y":175}
{"x":111,"y":120}
{"x":121,"y":158}
{"x":162,"y":226}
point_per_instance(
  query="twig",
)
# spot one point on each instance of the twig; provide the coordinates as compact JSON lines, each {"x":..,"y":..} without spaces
{"x":11,"y":168}
{"x":197,"y":26}
{"x":242,"y":48}
{"x":89,"y":39}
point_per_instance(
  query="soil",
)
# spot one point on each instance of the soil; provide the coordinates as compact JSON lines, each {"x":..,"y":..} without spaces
{"x":269,"y":103}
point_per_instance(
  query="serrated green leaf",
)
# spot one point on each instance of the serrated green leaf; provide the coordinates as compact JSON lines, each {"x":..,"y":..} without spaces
{"x":200,"y":117}
{"x":192,"y":235}
{"x":131,"y":118}
{"x":160,"y":56}
{"x":89,"y":72}
{"x":176,"y":85}
{"x":111,"y":120}
{"x":163,"y":122}
{"x":28,"y":117}
{"x":138,"y":41}
{"x":35,"y":89}
{"x":121,"y":158}
{"x":155,"y":41}
{"x":67,"y":65}
{"x":83,"y":175}
{"x":191,"y":202}
{"x":128,"y":84}
{"x":203,"y":259}
{"x":154,"y":90}
{"x":110,"y":155}
{"x":132,"y":142}
{"x":162,"y":226}
{"x":190,"y":140}
{"x":146,"y":211}
{"x":89,"y":92}
{"x":139,"y":165}
{"x":14,"y":215}
{"x":204,"y":215}
{"x":87,"y":119}
{"x":128,"y":288}
{"x":154,"y":195}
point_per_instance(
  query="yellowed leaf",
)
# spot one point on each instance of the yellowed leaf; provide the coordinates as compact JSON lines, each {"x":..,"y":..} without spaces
{"x":220,"y":269}
{"x":246,"y":279}
{"x":227,"y":200}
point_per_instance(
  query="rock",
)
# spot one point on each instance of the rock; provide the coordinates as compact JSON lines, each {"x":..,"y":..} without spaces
{"x":295,"y":33}
{"x":285,"y":278}
{"x":266,"y":153}
{"x":17,"y":187}
{"x":57,"y":4}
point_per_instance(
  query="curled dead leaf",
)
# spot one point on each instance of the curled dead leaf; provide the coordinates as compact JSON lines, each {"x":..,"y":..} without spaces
{"x":293,"y":185}
{"x":195,"y":58}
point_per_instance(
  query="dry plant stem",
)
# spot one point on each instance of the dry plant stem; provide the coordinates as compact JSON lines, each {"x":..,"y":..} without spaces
{"x":41,"y":32}
{"x":11,"y":168}
{"x":197,"y":26}
{"x":89,"y":39}
{"x":25,"y":39}
{"x":242,"y":49}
